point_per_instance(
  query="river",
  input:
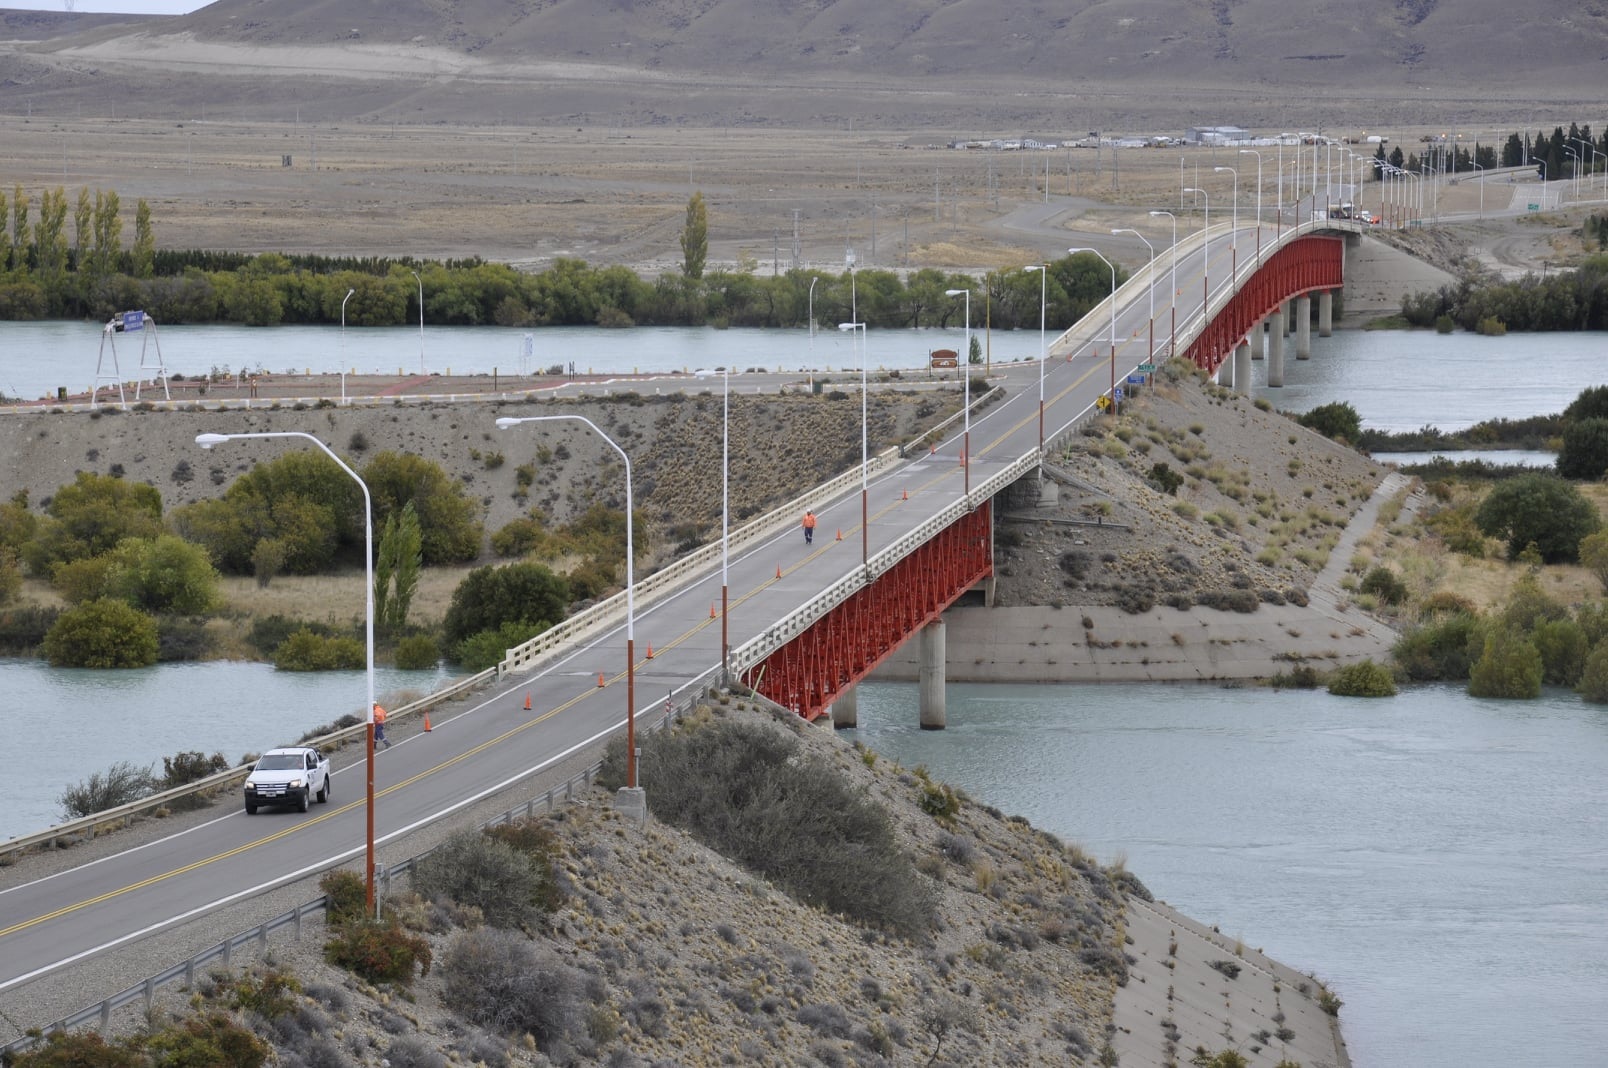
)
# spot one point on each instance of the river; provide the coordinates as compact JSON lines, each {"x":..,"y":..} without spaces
{"x":1440,"y":859}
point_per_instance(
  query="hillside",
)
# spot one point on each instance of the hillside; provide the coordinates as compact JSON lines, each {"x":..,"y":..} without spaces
{"x":904,"y":61}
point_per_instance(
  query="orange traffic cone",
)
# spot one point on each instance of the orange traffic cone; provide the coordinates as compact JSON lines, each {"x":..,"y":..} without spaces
{"x":778,"y":570}
{"x":600,"y":681}
{"x":932,"y":449}
{"x":427,"y":723}
{"x":840,"y":534}
{"x":905,"y":496}
{"x":650,"y":650}
{"x":527,"y":700}
{"x":711,"y":610}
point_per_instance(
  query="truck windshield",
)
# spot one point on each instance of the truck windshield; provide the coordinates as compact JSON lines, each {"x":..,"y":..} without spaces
{"x":279,"y":762}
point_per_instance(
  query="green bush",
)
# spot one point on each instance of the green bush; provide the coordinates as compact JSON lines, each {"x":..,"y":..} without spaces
{"x":417,"y":652}
{"x":1444,"y":324}
{"x":1438,"y":650}
{"x":306,"y":651}
{"x":1563,"y":648}
{"x":89,"y":517}
{"x":1540,"y":510}
{"x":471,"y":868}
{"x":1338,"y":421}
{"x":1165,"y":479}
{"x":451,"y":533}
{"x":1509,"y":666}
{"x":103,"y":633}
{"x":939,"y":801}
{"x":487,"y":649}
{"x":23,"y":628}
{"x":163,"y":574}
{"x":1594,"y":556}
{"x":78,"y":1049}
{"x":1366,"y":679}
{"x":489,"y":597}
{"x":1584,"y":452}
{"x":1593,"y":685}
{"x":270,"y":995}
{"x":378,"y":952}
{"x":518,"y":537}
{"x":10,"y":576}
{"x":187,"y":767}
{"x":502,"y":981}
{"x":346,"y":897}
{"x":537,"y":841}
{"x":739,"y":788}
{"x":1383,"y":583}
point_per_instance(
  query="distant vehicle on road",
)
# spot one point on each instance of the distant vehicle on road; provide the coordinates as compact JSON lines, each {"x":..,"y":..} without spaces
{"x":295,"y":775}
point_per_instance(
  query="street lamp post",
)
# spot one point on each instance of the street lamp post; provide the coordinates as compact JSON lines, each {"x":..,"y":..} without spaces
{"x":725,"y":519}
{"x":1172,"y":333}
{"x":344,"y":299}
{"x":1258,"y":155}
{"x":419,"y":280}
{"x":965,"y":363}
{"x":207,"y":441}
{"x":1152,"y":281}
{"x":1233,"y":231}
{"x":1206,"y":257}
{"x":1108,"y":263}
{"x":813,"y":280}
{"x":1575,"y":181}
{"x":1043,"y":270}
{"x":865,"y":453}
{"x":504,"y":423}
{"x":1481,"y":181}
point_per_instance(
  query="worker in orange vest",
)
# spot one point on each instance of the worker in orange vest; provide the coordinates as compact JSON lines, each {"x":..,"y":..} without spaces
{"x":379,"y":727}
{"x":809,"y":527}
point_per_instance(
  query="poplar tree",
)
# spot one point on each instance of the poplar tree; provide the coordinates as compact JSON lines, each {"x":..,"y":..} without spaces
{"x":50,"y":243}
{"x":144,"y":264}
{"x":695,"y":238}
{"x":5,"y":250}
{"x":396,"y":568}
{"x":19,"y":229}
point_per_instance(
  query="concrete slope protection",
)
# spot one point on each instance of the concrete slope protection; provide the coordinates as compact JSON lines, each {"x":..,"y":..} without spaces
{"x":577,"y":697}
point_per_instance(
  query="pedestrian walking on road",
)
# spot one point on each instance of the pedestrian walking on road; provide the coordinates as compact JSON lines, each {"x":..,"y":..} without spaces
{"x":379,"y":728}
{"x":809,"y":527}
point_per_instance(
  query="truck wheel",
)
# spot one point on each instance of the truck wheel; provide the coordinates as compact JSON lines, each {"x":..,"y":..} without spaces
{"x":251,"y":809}
{"x":323,"y":792}
{"x":303,"y":803}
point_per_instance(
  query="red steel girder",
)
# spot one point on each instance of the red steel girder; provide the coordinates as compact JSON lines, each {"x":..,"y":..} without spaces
{"x":843,"y":646}
{"x":1302,"y":266}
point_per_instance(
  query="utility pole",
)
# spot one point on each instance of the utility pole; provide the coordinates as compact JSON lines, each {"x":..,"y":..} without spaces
{"x":795,"y":240}
{"x":873,"y":228}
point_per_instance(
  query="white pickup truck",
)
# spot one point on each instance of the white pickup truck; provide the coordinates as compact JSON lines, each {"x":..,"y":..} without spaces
{"x":296,"y":775}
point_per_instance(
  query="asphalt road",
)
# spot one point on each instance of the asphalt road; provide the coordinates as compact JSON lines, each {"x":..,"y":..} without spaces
{"x":71,"y":916}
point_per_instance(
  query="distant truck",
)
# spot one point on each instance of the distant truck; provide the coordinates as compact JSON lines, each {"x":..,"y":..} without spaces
{"x":295,"y":775}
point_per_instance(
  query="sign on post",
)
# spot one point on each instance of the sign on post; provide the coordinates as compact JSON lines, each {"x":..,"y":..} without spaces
{"x":944,"y":358}
{"x":1136,"y":380}
{"x":1117,"y":393}
{"x":1147,"y":368}
{"x":132,"y":321}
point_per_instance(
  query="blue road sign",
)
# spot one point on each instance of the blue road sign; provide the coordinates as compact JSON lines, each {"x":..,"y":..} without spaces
{"x":133,"y":320}
{"x":1117,"y":393}
{"x":1134,"y":380}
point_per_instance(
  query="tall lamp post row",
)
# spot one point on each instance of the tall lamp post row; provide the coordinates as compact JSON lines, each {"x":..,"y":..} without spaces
{"x":1108,"y":263}
{"x":965,"y":363}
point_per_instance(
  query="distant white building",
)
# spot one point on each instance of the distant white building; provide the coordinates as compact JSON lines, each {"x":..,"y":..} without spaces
{"x":1215,"y":135}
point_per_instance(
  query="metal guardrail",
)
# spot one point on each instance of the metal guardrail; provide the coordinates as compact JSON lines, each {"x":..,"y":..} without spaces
{"x":117,"y":818}
{"x":100,"y":1014}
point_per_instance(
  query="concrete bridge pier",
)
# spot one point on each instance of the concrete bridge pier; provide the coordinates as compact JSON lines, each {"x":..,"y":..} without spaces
{"x":1303,"y":327}
{"x":1242,"y":368}
{"x":931,"y":684}
{"x":1225,"y":372}
{"x":1326,"y":313}
{"x":1258,"y":332}
{"x":1275,"y":349}
{"x":846,"y":708}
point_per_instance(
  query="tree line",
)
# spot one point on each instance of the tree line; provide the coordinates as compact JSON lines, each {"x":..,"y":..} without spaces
{"x":1565,"y":300}
{"x":51,"y":270}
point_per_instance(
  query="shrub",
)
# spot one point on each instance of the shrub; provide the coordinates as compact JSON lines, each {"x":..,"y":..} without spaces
{"x":1509,"y":666}
{"x":1540,"y":510}
{"x":103,"y":633}
{"x":117,"y":785}
{"x":738,"y":788}
{"x":504,"y":982}
{"x":187,"y":767}
{"x":489,"y":597}
{"x":23,"y":629}
{"x":1594,"y":556}
{"x":536,"y":840}
{"x":446,"y":517}
{"x":471,"y":868}
{"x":1594,"y":679}
{"x":1366,"y":679}
{"x":1584,"y":451}
{"x":1338,"y":421}
{"x":306,"y":651}
{"x":417,"y":652}
{"x":214,"y":1040}
{"x":378,"y":952}
{"x":487,"y":649}
{"x":1383,"y":583}
{"x":347,"y":896}
{"x":1444,"y":324}
{"x":939,"y":801}
{"x":1438,"y":650}
{"x":1563,"y":648}
{"x":77,"y":1049}
{"x":270,"y":995}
